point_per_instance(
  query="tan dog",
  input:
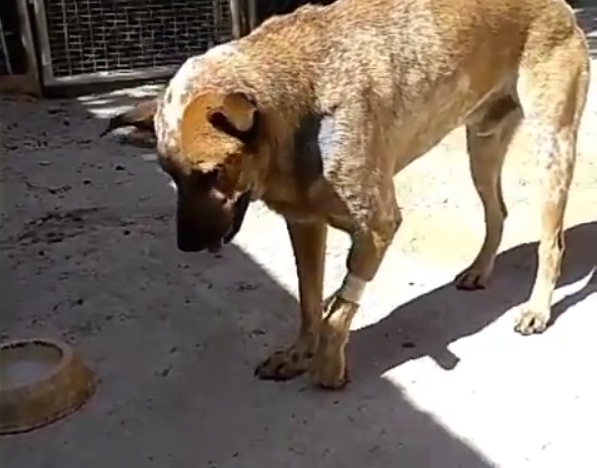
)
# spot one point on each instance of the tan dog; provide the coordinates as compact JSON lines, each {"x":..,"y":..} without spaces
{"x":315,"y":112}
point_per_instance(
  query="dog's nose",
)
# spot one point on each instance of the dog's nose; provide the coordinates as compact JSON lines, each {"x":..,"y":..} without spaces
{"x":189,"y":246}
{"x":190,"y":241}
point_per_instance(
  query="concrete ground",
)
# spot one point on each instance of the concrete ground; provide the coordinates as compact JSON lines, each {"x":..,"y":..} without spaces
{"x":440,"y":380}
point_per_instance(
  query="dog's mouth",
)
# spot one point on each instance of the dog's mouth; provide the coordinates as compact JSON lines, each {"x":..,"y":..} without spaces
{"x":199,"y":238}
{"x":241,"y":207}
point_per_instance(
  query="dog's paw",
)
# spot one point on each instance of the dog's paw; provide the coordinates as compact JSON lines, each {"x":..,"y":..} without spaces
{"x":531,"y":322}
{"x":328,"y":368}
{"x":283,"y":365}
{"x":473,"y":278}
{"x":329,"y":372}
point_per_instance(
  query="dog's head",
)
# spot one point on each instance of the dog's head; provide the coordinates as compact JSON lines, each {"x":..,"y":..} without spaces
{"x":213,"y":157}
{"x":211,"y":149}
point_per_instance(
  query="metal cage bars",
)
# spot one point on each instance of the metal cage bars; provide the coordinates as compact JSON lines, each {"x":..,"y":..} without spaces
{"x":84,"y":41}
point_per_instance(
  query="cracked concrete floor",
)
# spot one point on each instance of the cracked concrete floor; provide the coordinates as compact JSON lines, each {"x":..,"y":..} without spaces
{"x":439,"y":377}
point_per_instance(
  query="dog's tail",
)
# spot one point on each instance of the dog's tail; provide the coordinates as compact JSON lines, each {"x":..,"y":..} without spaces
{"x":140,"y":116}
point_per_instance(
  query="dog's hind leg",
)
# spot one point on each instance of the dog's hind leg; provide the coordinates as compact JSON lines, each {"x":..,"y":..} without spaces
{"x":552,"y":93}
{"x":488,"y":139}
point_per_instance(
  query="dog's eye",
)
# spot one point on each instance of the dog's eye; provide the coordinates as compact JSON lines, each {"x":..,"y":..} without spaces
{"x":205,"y":179}
{"x":168,"y":168}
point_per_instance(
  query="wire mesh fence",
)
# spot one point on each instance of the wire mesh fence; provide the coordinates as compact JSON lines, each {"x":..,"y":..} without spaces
{"x":87,"y":37}
{"x":101,"y":38}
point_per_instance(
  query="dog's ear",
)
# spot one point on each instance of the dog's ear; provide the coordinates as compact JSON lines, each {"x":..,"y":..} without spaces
{"x":140,"y":116}
{"x":236,"y":114}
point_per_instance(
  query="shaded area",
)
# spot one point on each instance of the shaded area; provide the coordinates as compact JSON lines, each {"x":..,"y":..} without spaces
{"x":13,"y":60}
{"x":88,"y":254}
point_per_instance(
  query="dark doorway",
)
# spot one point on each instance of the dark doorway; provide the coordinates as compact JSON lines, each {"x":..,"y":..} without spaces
{"x":13,"y":58}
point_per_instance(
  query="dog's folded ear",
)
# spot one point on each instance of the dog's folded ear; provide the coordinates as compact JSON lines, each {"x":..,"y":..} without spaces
{"x":237,"y":115}
{"x":140,"y":116}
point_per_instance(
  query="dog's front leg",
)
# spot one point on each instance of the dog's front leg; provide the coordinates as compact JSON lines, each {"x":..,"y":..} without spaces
{"x":308,"y":243}
{"x":328,"y":368}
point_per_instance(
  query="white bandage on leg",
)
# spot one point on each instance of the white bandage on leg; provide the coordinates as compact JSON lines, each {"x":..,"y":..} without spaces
{"x":352,"y":288}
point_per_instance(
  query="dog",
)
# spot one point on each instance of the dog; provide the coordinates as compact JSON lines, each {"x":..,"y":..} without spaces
{"x":315,"y":111}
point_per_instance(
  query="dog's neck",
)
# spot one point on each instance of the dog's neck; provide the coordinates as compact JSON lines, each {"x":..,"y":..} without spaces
{"x":274,"y":64}
{"x":281,"y":68}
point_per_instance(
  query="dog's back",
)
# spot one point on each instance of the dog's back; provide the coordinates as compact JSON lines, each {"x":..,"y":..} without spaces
{"x":418,"y":63}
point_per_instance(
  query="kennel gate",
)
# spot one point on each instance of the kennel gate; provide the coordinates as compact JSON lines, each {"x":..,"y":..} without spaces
{"x":87,"y":41}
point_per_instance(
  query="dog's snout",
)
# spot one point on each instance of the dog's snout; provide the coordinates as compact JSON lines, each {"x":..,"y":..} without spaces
{"x":196,"y":237}
{"x":187,"y":242}
{"x":207,"y":223}
{"x":185,"y":245}
{"x":192,"y":240}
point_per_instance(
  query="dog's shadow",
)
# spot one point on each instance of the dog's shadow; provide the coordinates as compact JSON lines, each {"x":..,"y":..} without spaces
{"x":426,"y":325}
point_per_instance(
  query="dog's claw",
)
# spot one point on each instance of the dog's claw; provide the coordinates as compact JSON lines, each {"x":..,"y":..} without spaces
{"x":530,"y":322}
{"x":472,"y":279}
{"x":282,"y":365}
{"x":331,"y":381}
